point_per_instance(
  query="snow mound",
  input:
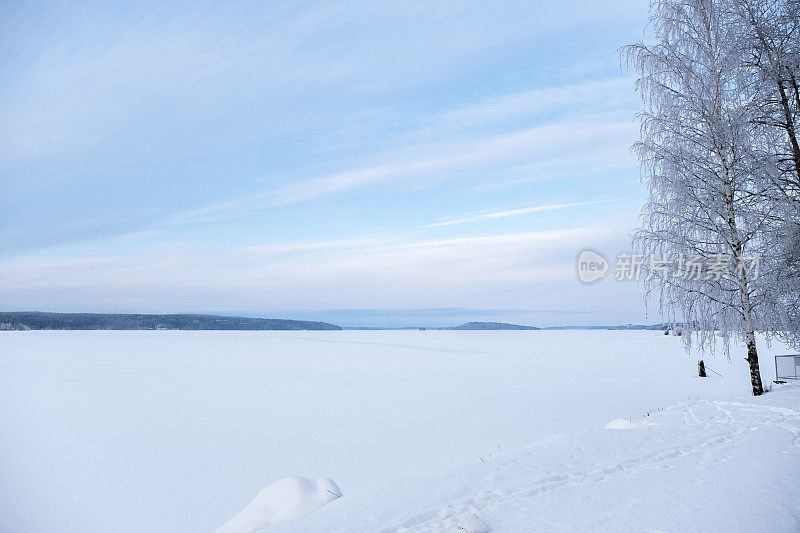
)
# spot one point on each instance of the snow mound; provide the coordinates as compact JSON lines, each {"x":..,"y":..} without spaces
{"x":621,"y":423}
{"x":287,"y":499}
{"x":470,"y":523}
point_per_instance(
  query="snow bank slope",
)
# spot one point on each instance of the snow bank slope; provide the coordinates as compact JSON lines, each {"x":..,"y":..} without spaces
{"x":289,"y":498}
{"x":730,"y":464}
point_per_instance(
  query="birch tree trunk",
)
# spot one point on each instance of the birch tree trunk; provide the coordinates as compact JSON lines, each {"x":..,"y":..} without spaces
{"x":750,"y":342}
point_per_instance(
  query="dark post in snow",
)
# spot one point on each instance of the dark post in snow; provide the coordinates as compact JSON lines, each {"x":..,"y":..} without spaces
{"x":701,"y":368}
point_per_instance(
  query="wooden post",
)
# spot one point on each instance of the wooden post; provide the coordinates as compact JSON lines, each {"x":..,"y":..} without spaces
{"x":701,"y":368}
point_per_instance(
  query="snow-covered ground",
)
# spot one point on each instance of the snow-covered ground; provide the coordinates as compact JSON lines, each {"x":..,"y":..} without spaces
{"x":179,"y":431}
{"x":707,"y":465}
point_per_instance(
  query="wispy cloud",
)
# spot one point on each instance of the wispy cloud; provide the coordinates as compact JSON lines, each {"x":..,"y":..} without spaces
{"x":113,"y":64}
{"x":436,"y":161}
{"x":339,"y":244}
{"x":514,"y":213}
{"x":153,"y":263}
{"x":504,"y":269}
{"x":565,"y":100}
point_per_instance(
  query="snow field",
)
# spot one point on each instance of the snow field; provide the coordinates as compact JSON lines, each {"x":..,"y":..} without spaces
{"x":177,"y":431}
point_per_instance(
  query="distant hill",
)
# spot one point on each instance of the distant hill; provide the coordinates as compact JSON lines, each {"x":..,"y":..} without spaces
{"x":491,"y":326}
{"x":38,"y":320}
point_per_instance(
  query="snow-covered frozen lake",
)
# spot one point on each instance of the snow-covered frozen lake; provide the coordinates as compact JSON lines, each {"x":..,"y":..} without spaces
{"x":176,"y":431}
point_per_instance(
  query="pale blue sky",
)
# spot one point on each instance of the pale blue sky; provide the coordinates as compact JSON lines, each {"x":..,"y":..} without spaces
{"x":263,"y":157}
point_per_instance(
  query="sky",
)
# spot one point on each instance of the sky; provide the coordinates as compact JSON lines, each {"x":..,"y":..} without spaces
{"x":306,"y":159}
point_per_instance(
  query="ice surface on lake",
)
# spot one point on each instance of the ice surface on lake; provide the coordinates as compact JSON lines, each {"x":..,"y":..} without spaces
{"x":177,"y":431}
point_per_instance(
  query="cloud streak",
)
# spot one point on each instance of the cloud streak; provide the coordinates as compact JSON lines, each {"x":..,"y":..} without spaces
{"x":436,"y":161}
{"x":514,"y":213}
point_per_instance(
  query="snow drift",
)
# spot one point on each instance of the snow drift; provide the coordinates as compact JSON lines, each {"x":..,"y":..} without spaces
{"x":287,"y":499}
{"x":721,"y":464}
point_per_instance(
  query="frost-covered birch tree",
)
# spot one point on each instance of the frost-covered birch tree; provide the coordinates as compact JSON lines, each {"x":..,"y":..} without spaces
{"x":706,"y":198}
{"x":769,"y":37}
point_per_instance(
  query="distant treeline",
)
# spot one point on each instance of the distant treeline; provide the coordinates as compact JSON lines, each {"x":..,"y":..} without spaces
{"x":36,"y":320}
{"x":507,"y":326}
{"x":626,"y":326}
{"x":493,"y":326}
